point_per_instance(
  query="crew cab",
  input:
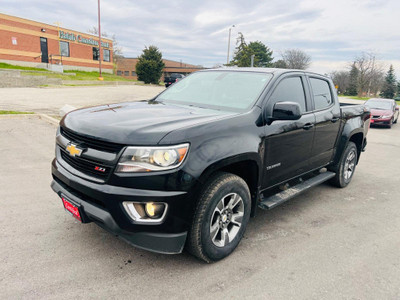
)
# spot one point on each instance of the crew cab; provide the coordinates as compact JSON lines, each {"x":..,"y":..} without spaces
{"x":192,"y":165}
{"x":175,"y":77}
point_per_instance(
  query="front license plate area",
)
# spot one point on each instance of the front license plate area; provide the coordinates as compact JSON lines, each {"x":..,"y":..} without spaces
{"x":72,"y":208}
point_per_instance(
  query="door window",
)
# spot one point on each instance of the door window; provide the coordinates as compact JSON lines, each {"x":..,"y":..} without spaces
{"x":321,"y":92}
{"x":289,"y":90}
{"x":96,"y":53}
{"x":43,"y":49}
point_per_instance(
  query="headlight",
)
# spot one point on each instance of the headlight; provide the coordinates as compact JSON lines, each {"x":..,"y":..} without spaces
{"x":386,"y":117}
{"x":150,"y":159}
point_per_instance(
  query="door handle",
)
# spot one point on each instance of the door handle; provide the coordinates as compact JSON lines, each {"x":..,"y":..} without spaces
{"x":308,"y":126}
{"x":334,"y":120}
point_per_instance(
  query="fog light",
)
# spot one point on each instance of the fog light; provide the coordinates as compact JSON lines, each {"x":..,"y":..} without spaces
{"x":146,"y":212}
{"x":154,"y":210}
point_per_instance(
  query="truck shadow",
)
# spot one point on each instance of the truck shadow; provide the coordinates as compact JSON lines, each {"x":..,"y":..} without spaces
{"x":280,"y":222}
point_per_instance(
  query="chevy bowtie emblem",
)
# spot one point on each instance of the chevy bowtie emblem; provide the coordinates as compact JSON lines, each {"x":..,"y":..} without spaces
{"x":73,"y":150}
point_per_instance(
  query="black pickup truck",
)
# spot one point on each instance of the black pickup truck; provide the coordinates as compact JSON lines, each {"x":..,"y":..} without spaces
{"x":190,"y":167}
{"x":175,"y":77}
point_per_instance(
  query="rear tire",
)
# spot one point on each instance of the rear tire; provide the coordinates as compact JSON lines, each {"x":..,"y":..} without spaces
{"x":221,"y":217}
{"x":346,"y":167}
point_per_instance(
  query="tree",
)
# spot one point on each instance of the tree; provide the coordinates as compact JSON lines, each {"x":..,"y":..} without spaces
{"x":150,"y":65}
{"x":296,"y":59}
{"x":280,"y":64}
{"x":377,"y":79}
{"x":342,"y":80}
{"x":352,"y":90}
{"x":242,"y":57}
{"x":389,"y":86}
{"x":368,"y":72}
{"x":263,"y":55}
{"x":398,"y":89}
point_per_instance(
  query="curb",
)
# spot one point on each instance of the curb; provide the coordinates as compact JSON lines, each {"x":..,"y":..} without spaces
{"x":44,"y":117}
{"x":49,"y":119}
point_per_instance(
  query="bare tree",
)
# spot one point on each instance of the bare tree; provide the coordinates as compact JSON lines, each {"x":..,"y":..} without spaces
{"x":377,"y":80}
{"x":342,"y":80}
{"x":296,"y":59}
{"x":370,"y":73}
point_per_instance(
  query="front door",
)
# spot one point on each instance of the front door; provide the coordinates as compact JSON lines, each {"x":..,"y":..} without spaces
{"x":43,"y":49}
{"x":288,"y":144}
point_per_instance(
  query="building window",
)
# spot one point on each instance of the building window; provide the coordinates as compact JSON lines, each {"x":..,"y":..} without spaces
{"x":96,"y":53}
{"x":64,"y":48}
{"x":133,"y":73}
{"x":106,"y":55}
{"x":119,"y":73}
{"x":126,"y":73}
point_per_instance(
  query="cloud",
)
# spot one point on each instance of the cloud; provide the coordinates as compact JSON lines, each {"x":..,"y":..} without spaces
{"x":332,"y":32}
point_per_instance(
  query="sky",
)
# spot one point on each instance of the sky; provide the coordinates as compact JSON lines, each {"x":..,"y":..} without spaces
{"x":196,"y":32}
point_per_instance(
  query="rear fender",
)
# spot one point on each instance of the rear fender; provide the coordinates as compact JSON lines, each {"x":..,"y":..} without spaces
{"x":353,"y":128}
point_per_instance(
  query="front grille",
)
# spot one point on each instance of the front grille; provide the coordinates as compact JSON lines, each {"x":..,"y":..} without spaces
{"x":86,"y":166}
{"x":91,"y":142}
{"x":376,"y":117}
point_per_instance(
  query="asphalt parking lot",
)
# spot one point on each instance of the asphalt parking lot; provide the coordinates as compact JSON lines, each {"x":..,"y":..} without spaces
{"x":328,"y":243}
{"x":50,"y":100}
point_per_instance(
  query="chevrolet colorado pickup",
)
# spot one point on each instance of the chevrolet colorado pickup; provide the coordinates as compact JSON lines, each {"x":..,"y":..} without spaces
{"x":190,"y":166}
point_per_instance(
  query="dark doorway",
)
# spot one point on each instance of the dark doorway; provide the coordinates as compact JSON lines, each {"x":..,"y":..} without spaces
{"x":43,"y":49}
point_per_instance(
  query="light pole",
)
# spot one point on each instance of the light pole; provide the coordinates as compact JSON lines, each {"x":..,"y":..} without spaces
{"x":229,"y":43}
{"x":98,"y":17}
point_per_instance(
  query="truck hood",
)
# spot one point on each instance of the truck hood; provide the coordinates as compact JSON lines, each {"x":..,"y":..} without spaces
{"x":137,"y":123}
{"x":381,"y":112}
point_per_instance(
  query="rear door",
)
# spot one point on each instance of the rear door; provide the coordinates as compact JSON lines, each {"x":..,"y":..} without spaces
{"x":287,"y":144}
{"x":327,"y":120}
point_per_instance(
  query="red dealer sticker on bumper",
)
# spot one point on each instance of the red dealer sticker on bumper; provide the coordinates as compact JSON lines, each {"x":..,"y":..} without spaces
{"x":73,"y":209}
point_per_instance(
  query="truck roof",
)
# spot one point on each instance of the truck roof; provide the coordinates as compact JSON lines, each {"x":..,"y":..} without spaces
{"x":274,"y":71}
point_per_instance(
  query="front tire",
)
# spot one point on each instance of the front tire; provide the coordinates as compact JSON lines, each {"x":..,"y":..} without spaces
{"x":346,"y":167}
{"x":221,"y":217}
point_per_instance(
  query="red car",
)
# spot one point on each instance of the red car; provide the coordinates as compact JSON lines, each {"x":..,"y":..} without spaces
{"x":383,"y":111}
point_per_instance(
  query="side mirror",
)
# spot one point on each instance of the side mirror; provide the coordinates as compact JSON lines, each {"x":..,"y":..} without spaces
{"x":286,"y":111}
{"x":397,"y":108}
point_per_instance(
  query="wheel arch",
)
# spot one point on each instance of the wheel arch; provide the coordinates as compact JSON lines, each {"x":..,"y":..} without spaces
{"x":356,"y":136}
{"x":246,"y":166}
{"x":358,"y":139}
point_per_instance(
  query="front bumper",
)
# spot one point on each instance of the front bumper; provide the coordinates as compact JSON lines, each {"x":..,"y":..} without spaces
{"x":378,"y":122}
{"x":102,"y":204}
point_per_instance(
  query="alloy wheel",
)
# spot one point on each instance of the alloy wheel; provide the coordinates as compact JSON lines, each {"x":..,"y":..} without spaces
{"x":349,"y":165}
{"x":226,"y":219}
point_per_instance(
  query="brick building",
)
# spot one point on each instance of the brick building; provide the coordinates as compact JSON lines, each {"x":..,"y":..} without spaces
{"x":126,"y":67}
{"x":30,"y":43}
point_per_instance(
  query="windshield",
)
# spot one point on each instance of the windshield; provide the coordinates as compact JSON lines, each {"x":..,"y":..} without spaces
{"x":218,"y":90}
{"x":376,"y":104}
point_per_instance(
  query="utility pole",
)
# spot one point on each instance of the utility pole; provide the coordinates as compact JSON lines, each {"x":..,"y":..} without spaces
{"x":58,"y":32}
{"x":252,"y":61}
{"x":229,"y":43}
{"x":98,"y":16}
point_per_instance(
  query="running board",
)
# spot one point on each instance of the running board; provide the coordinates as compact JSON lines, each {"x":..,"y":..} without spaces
{"x":282,"y":197}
